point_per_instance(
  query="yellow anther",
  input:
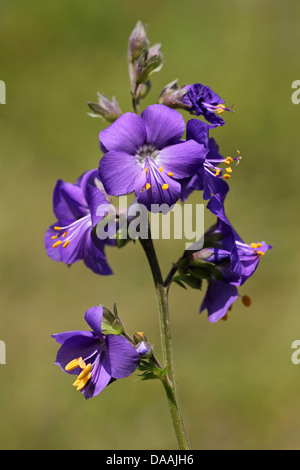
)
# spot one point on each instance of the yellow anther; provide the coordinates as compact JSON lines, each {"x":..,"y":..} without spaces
{"x":170,"y":174}
{"x":148,"y":186}
{"x":258,"y":245}
{"x":165,"y":186}
{"x":66,"y":243}
{"x":161,"y":169}
{"x":229,"y":160}
{"x":59,"y":242}
{"x":57,"y":228}
{"x":253,"y":245}
{"x":85,"y":372}
{"x":146,"y":170}
{"x":82,"y":383}
{"x":227,"y":176}
{"x":260,"y":253}
{"x":246,"y":300}
{"x":229,"y":170}
{"x":81,"y":362}
{"x":65,"y":234}
{"x":74,"y":364}
{"x":218,"y":172}
{"x":54,"y":237}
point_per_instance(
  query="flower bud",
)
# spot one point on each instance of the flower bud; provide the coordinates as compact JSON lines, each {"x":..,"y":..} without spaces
{"x":148,"y":63}
{"x":172,"y":96}
{"x":138,"y":42}
{"x":138,"y":337}
{"x":144,"y":349}
{"x":105,"y":108}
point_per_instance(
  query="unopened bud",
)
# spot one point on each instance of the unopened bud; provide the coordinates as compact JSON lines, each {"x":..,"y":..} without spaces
{"x":144,"y":349}
{"x":138,"y":42}
{"x":148,"y":63}
{"x":172,"y":96}
{"x":108,"y":109}
{"x":139,"y":336}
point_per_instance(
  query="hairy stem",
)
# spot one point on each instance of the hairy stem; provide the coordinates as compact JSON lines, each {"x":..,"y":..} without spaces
{"x":170,"y":379}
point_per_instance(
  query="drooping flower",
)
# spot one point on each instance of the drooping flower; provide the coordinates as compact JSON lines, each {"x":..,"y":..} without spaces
{"x":145,"y":155}
{"x":97,"y":359}
{"x":78,"y":208}
{"x":202,"y":101}
{"x":229,"y":263}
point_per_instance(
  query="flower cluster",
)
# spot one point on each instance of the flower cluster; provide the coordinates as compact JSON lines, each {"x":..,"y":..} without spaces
{"x":161,"y":159}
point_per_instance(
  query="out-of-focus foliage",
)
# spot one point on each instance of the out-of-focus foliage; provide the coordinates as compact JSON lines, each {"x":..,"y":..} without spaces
{"x":238,"y":386}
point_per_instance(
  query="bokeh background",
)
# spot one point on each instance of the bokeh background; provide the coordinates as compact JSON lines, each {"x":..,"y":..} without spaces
{"x":238,"y":386}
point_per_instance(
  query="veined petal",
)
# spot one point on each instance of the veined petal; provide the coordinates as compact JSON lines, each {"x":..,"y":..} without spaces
{"x":94,"y":257}
{"x":219,"y":297}
{"x":126,"y":134}
{"x":157,"y":191}
{"x":121,"y":355}
{"x":118,"y":172}
{"x":164,"y":125}
{"x":77,"y":344}
{"x":68,"y":201}
{"x":99,"y":380}
{"x":182,"y":160}
{"x":93,"y":317}
{"x":198,"y":131}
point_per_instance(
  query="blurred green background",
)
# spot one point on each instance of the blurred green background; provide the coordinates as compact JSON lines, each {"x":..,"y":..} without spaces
{"x":238,"y":386}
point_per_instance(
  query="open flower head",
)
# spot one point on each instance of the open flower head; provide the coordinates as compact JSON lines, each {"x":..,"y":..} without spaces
{"x":145,"y":154}
{"x":233,"y":260}
{"x":97,"y":360}
{"x":76,"y":207}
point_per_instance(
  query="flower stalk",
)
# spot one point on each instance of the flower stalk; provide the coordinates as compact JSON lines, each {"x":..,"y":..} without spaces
{"x":169,"y":380}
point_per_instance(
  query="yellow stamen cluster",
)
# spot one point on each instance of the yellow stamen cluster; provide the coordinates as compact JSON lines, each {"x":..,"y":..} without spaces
{"x":84,"y":375}
{"x":257,"y":245}
{"x":220,"y":108}
{"x":59,"y":242}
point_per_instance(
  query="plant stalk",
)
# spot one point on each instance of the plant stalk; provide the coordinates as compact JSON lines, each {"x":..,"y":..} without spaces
{"x":169,"y":381}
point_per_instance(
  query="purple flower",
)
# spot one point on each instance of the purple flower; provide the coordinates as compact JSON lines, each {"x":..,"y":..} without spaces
{"x":230,"y":264}
{"x":76,"y":207}
{"x":96,"y":359}
{"x":210,"y":178}
{"x":202,"y":101}
{"x":146,"y":155}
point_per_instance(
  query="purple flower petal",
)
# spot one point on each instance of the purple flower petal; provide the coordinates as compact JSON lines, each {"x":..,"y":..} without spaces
{"x":79,"y":344}
{"x":68,"y":201}
{"x":182,"y":160}
{"x":121,"y":356}
{"x":127,"y":133}
{"x":156,"y":190}
{"x":219,"y":297}
{"x":118,"y":172}
{"x":164,"y":125}
{"x":93,"y":317}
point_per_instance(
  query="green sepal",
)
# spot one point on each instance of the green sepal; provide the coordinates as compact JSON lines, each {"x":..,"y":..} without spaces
{"x":151,"y":371}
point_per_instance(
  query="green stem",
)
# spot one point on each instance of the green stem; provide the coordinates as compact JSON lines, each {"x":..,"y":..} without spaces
{"x":170,"y":379}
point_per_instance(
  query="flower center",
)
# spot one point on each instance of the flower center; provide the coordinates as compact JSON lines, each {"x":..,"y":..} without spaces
{"x":146,"y":151}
